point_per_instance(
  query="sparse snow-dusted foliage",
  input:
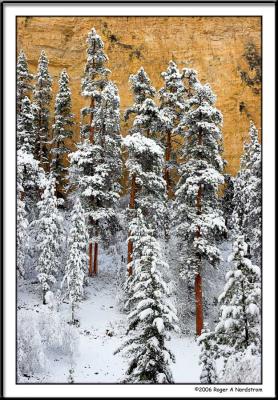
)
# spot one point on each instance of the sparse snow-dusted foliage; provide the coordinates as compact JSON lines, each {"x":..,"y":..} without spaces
{"x":62,"y":131}
{"x":172,"y":98}
{"x":88,"y":309}
{"x":41,"y":97}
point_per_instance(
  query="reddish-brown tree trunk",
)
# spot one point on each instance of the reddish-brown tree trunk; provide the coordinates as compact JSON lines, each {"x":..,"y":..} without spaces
{"x":167,"y":159}
{"x":198,"y":278}
{"x":131,"y":206}
{"x":199,"y":304}
{"x":90,"y":259}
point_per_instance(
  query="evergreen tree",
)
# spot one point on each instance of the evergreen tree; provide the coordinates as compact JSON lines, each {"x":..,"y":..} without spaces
{"x":25,"y":127}
{"x":207,"y":361}
{"x":248,"y":195}
{"x":23,"y":80}
{"x":49,"y":237}
{"x":62,"y":131}
{"x":76,"y":266}
{"x":21,"y":227}
{"x":142,"y":89}
{"x":172,"y":105}
{"x":94,"y":81}
{"x":96,"y":165}
{"x":240,"y":304}
{"x":42,"y":97}
{"x":145,"y":156}
{"x":197,"y":215}
{"x":151,"y":315}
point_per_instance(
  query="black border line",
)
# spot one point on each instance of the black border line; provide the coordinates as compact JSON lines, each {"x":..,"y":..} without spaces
{"x":263,"y":3}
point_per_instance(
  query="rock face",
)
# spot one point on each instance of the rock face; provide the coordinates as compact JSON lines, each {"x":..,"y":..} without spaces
{"x":224,"y":50}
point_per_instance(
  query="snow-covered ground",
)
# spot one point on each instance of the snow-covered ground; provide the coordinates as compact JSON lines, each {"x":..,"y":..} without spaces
{"x":102,"y":330}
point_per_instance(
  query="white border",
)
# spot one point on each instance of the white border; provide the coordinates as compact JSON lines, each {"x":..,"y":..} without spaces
{"x":10,"y":12}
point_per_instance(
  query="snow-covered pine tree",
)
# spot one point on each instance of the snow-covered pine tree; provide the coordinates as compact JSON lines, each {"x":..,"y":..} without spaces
{"x":21,"y":226}
{"x":206,"y":342}
{"x":145,"y":161}
{"x":151,"y":315}
{"x":76,"y":266}
{"x":172,"y":105}
{"x":26,"y":136}
{"x":142,"y":89}
{"x":197,"y":214}
{"x":96,"y":165}
{"x":248,"y":195}
{"x":41,"y":98}
{"x":23,"y":80}
{"x":94,"y":81}
{"x":240,"y":304}
{"x":62,"y":131}
{"x":49,"y":237}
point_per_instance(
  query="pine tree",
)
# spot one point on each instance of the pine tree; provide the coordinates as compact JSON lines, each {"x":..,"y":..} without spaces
{"x":240,"y":304}
{"x":142,"y":89}
{"x":145,"y":155}
{"x":49,"y":237}
{"x":197,"y":215}
{"x":62,"y":132}
{"x":207,"y":357}
{"x":23,"y":81}
{"x":76,"y":266}
{"x":42,"y":97}
{"x":21,"y":227}
{"x":248,"y":195}
{"x":25,"y":127}
{"x":172,"y":105}
{"x":151,"y":315}
{"x":96,"y":165}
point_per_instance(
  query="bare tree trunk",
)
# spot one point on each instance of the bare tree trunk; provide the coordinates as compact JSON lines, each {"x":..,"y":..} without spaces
{"x":199,"y":304}
{"x":131,"y":206}
{"x":90,"y":259}
{"x":43,"y":297}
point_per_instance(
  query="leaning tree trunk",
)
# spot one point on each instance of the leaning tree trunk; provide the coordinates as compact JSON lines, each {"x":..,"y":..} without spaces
{"x":131,"y":206}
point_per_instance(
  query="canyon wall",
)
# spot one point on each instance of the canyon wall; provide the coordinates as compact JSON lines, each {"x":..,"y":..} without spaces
{"x":226,"y":51}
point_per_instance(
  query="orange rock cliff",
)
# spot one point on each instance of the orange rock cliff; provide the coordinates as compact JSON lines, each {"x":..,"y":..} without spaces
{"x":226,"y":52}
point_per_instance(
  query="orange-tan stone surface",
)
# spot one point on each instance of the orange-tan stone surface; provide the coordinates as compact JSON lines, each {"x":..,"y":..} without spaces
{"x":215,"y":46}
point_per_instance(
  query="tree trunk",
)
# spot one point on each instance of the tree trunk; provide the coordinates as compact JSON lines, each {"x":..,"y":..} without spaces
{"x":199,"y":304}
{"x":95,"y":271}
{"x":167,"y":159}
{"x":90,"y":259}
{"x":198,"y":278}
{"x":43,"y":297}
{"x":91,"y":136}
{"x":131,"y":206}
